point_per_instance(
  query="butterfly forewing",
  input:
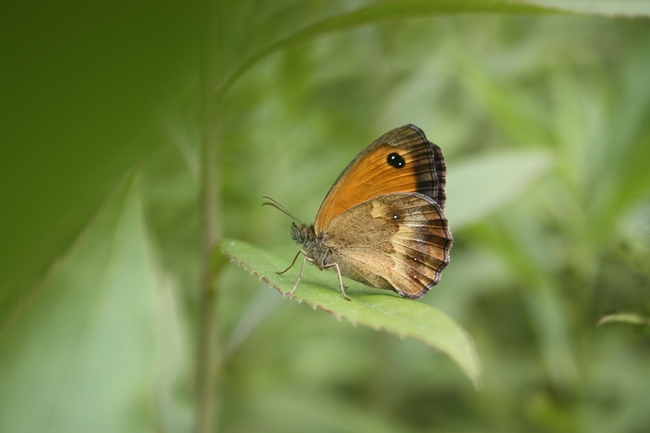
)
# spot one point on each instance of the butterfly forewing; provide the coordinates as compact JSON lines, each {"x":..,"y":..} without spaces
{"x":402,"y":160}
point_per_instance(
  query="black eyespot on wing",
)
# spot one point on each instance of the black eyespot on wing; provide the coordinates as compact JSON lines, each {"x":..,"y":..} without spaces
{"x":395,"y":160}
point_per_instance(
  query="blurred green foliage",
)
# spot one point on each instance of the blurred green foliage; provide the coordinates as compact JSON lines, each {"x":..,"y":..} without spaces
{"x":100,"y":185}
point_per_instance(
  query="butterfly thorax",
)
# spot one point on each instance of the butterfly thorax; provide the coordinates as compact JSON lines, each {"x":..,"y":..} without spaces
{"x":312,"y":244}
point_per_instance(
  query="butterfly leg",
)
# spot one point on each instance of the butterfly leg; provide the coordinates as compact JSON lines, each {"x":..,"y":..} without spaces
{"x":300,"y":274}
{"x":338,"y":271}
{"x":293,"y":262}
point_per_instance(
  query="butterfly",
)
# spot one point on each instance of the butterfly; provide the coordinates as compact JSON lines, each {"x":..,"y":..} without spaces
{"x":382,"y":223}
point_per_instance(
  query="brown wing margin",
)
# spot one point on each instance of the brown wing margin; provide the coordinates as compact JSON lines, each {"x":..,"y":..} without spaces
{"x":432,"y":179}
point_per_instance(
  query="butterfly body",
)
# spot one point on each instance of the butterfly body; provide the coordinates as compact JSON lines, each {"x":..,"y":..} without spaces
{"x":383,"y":223}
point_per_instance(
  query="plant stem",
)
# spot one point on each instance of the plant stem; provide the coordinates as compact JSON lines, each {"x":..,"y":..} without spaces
{"x":208,"y":347}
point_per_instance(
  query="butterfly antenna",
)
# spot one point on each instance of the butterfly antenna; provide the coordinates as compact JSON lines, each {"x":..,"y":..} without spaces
{"x":275,"y":204}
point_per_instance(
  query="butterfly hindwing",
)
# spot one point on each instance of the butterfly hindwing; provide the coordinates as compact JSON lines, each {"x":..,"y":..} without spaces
{"x":397,"y":241}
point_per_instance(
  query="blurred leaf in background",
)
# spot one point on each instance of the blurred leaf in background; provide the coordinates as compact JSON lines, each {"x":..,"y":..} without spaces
{"x":544,"y":120}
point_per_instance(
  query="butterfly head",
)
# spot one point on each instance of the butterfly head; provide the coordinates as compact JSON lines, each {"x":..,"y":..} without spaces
{"x":302,"y":233}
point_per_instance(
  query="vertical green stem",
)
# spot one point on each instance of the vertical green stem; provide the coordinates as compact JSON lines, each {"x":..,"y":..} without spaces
{"x":208,"y":347}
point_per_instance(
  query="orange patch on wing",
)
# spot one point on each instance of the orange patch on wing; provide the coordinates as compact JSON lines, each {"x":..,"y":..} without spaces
{"x":402,"y":160}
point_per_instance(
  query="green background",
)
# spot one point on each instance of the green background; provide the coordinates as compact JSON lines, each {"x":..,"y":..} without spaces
{"x":134,"y":135}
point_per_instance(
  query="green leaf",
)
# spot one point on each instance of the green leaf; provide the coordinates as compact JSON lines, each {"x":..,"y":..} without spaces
{"x":101,"y":86}
{"x":402,"y":10}
{"x":369,"y":307}
{"x":634,"y":319}
{"x":480,"y":186}
{"x":612,"y":8}
{"x":89,"y":351}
